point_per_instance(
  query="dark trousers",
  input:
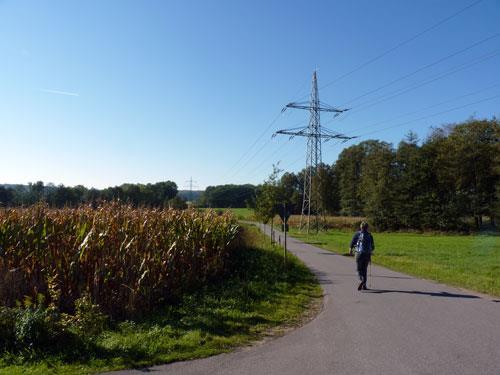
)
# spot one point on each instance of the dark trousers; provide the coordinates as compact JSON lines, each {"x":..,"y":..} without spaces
{"x":362,"y":261}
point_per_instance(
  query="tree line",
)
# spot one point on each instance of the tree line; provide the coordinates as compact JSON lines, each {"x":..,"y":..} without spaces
{"x":225,"y":196}
{"x":160,"y":194}
{"x":449,"y":181}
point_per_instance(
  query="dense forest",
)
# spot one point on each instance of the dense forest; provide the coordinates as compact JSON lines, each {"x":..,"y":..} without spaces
{"x":235,"y":196}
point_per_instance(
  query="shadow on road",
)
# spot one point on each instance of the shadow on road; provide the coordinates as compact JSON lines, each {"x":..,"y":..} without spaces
{"x":432,"y":294}
{"x":316,"y":243}
{"x":374,"y":276}
{"x":322,"y":277}
{"x":393,"y":277}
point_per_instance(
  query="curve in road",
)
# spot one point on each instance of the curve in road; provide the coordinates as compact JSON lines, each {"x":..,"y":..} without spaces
{"x":403,"y":325}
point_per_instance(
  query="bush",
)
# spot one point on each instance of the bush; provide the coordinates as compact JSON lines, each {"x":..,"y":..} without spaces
{"x":88,"y":320}
{"x":7,"y":328}
{"x":35,"y":328}
{"x":29,"y":328}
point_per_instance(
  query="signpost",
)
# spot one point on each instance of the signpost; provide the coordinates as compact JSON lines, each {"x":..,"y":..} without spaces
{"x":284,"y":215}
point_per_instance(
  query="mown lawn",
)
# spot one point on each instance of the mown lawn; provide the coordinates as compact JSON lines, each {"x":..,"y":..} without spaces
{"x":255,"y":297}
{"x":471,"y":262}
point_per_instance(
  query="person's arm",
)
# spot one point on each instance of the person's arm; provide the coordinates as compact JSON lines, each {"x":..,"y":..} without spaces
{"x":353,"y":242}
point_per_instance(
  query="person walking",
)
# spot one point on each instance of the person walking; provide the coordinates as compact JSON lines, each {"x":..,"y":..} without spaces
{"x":362,"y":243}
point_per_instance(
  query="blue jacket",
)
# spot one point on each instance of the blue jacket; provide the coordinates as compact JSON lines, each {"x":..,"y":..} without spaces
{"x":363,"y":244}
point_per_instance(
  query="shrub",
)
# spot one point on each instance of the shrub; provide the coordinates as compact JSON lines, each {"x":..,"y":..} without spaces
{"x":7,"y":328}
{"x":88,"y":320}
{"x":35,"y":327}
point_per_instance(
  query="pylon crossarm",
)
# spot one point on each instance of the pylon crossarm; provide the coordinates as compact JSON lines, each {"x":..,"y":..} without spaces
{"x":328,"y":108}
{"x":299,"y":129}
{"x":345,"y":140}
{"x":309,"y":106}
{"x":335,"y":134}
{"x":306,"y":132}
{"x":329,"y":136}
{"x":293,"y":132}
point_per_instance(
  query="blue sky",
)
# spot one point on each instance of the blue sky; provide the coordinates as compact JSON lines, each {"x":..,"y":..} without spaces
{"x":101,"y":93}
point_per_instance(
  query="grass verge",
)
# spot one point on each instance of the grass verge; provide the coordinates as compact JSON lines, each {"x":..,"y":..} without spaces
{"x":471,"y":262}
{"x":240,"y":213}
{"x":255,"y":298}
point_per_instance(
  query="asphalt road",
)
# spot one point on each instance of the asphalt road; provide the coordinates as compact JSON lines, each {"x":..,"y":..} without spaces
{"x":403,"y":325}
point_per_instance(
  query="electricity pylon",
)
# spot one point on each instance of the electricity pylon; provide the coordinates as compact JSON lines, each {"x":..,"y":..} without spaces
{"x":191,"y":184}
{"x":315,"y":135}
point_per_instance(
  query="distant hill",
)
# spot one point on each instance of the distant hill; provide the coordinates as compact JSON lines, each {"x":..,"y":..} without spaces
{"x":186,"y":194}
{"x":14,"y":186}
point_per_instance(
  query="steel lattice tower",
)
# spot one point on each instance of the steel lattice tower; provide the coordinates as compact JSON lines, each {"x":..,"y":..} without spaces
{"x":315,"y":136}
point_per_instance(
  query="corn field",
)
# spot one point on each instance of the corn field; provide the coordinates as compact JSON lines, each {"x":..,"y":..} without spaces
{"x":128,"y":260}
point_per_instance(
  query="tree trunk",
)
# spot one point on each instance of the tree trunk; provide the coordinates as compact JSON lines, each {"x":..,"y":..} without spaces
{"x":477,"y":220}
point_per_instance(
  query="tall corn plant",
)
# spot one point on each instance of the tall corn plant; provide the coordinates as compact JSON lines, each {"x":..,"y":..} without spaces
{"x":129,"y":260}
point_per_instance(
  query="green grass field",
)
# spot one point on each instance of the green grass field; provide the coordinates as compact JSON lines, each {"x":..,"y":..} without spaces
{"x":471,"y":262}
{"x":256,"y":297}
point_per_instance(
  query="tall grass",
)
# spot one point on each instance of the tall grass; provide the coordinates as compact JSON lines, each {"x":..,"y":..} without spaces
{"x":328,"y":222}
{"x":127,"y":260}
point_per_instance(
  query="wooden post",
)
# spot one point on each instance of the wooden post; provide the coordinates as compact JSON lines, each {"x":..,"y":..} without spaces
{"x":284,"y":230}
{"x":272,"y":231}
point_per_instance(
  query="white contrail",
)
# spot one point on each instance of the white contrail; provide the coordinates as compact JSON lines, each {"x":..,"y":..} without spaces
{"x":59,"y":92}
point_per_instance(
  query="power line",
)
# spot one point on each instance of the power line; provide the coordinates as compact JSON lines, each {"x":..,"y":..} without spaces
{"x":247,"y":152}
{"x":251,"y":158}
{"x":399,"y":45}
{"x":255,"y":142}
{"x":404,"y":90}
{"x":302,"y":87}
{"x":257,"y":153}
{"x":420,"y":118}
{"x":283,"y":156}
{"x":295,"y":161}
{"x":428,"y":107}
{"x":447,"y":57}
{"x":289,"y":165}
{"x":267,"y":158}
{"x":430,"y":116}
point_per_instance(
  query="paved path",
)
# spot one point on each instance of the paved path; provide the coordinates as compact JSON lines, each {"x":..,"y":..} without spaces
{"x":403,"y":325}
